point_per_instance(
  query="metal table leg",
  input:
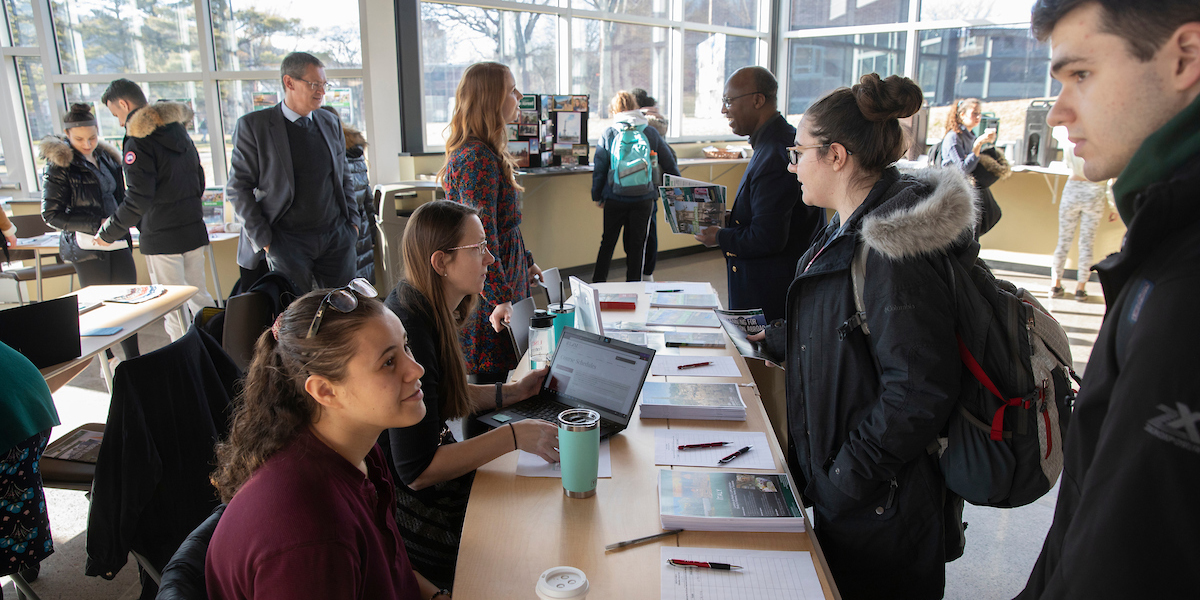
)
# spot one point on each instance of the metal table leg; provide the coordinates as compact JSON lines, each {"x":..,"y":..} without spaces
{"x":105,"y":369}
{"x":37,"y":271}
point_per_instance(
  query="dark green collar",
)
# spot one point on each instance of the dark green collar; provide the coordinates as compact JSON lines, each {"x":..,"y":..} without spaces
{"x":1158,"y":157}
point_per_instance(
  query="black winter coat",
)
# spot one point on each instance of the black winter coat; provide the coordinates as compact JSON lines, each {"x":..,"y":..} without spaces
{"x":1125,"y":525}
{"x":863,"y":411}
{"x":165,"y":179}
{"x":71,"y":196}
{"x":769,"y":226}
{"x":364,"y":248}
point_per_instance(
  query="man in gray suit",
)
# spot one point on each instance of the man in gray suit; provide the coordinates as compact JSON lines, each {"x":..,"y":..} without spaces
{"x":291,"y":186}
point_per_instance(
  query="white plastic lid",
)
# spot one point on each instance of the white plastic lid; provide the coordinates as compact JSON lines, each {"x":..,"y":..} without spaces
{"x":562,"y":582}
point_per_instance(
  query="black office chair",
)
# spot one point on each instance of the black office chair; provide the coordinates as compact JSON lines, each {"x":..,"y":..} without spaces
{"x":246,"y":317}
{"x":183,"y":577}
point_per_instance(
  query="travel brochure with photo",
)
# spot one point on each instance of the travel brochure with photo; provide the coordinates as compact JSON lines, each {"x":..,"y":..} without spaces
{"x":740,"y":324}
{"x":718,"y":501}
{"x":690,"y":205}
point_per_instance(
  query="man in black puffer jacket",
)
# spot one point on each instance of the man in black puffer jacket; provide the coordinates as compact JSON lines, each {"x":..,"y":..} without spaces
{"x":1125,"y":525}
{"x":165,"y":181}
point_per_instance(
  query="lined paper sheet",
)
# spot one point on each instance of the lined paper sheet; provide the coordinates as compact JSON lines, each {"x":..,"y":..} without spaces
{"x":667,"y":452}
{"x":668,"y":365}
{"x":532,"y":465}
{"x":765,"y":574}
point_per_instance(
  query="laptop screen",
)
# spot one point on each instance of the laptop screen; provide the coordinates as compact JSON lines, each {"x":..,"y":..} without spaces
{"x":599,"y":371}
{"x":47,"y":333}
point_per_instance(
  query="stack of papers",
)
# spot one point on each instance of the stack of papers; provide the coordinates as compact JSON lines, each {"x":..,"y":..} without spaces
{"x":716,"y":501}
{"x":764,"y":574}
{"x":703,"y":401}
{"x":694,"y":340}
{"x":683,"y":300}
{"x":690,"y":318}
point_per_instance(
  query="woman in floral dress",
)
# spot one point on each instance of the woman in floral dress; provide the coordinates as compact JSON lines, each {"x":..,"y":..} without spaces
{"x":480,"y":173}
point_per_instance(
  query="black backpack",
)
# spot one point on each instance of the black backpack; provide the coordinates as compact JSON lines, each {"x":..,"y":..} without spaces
{"x":1003,"y":445}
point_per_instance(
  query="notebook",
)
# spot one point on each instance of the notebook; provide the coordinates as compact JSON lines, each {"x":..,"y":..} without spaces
{"x":47,"y":333}
{"x":588,"y":371}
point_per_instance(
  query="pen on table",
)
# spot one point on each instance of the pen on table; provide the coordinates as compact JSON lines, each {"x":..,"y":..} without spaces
{"x":641,"y":539}
{"x":675,"y":562}
{"x":694,"y":365}
{"x":669,"y":291}
{"x":735,"y":455}
{"x":704,"y":445}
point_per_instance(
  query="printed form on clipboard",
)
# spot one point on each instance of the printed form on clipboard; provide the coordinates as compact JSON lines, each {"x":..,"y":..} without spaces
{"x":690,"y":205}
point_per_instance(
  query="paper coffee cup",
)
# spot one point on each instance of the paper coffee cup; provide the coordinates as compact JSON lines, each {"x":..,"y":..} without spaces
{"x":557,"y":583}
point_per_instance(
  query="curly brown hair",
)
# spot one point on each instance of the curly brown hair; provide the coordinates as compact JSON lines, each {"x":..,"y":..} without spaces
{"x":274,"y":406}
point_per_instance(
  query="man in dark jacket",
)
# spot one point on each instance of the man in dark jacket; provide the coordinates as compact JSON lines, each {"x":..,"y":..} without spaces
{"x":1125,"y":525}
{"x":164,"y":181}
{"x":769,"y":227}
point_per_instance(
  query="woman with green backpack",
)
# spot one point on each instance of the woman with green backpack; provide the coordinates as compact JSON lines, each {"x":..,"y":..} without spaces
{"x":623,"y":184}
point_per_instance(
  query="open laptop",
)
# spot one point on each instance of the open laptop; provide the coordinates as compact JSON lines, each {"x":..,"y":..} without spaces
{"x":47,"y":333}
{"x":588,"y":371}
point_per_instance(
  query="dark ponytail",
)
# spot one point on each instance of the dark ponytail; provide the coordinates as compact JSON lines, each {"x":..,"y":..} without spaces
{"x":274,"y":406}
{"x":865,"y":119}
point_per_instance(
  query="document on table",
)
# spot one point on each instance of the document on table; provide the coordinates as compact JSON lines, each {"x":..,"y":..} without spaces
{"x":668,"y":365}
{"x":686,"y":287}
{"x":532,"y":465}
{"x":764,"y":574}
{"x":667,"y":452}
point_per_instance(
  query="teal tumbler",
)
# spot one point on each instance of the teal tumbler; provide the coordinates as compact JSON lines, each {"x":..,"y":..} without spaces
{"x":579,"y":451}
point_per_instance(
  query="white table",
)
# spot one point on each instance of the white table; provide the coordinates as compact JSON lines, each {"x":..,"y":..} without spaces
{"x":131,"y":318}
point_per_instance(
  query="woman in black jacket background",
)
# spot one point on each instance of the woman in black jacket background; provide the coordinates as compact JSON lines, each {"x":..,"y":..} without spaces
{"x":83,"y":185}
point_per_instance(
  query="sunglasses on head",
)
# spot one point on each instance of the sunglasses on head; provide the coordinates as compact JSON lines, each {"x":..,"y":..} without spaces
{"x":343,"y":300}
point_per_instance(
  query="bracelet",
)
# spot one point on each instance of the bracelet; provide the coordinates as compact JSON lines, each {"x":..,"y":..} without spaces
{"x":499,"y":395}
{"x":514,"y":432}
{"x":442,"y":592}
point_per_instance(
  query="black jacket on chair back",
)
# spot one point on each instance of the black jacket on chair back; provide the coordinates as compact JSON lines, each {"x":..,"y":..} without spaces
{"x":169,"y":408}
{"x":71,"y":196}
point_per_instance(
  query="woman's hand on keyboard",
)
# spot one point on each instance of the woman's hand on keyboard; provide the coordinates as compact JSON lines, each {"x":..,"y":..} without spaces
{"x":537,"y":437}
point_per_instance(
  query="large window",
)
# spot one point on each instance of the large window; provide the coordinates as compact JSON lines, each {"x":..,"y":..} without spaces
{"x":98,"y":36}
{"x":19,"y":17}
{"x":817,"y":66}
{"x":807,"y":14}
{"x":708,"y":60}
{"x":38,"y":117}
{"x":252,"y":35}
{"x":616,"y":56}
{"x":455,"y":37}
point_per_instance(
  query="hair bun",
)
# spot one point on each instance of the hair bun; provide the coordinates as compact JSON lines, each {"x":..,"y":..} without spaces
{"x":882,"y":99}
{"x":80,"y":108}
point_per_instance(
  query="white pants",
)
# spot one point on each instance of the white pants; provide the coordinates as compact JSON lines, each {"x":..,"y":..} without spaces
{"x":1082,"y":206}
{"x":181,"y":269}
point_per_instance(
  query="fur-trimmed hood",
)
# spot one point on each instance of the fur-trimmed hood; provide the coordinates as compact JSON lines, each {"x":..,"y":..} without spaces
{"x":147,"y":119}
{"x":59,"y":152}
{"x":925,"y":211}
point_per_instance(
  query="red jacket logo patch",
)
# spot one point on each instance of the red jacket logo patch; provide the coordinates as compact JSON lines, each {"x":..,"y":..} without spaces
{"x":130,"y":157}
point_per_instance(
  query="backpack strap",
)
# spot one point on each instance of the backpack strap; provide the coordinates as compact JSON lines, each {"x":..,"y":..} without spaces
{"x":858,"y":275}
{"x":997,"y":430}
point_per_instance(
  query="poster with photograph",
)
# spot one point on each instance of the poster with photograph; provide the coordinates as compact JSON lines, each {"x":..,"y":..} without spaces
{"x":564,"y":149}
{"x":520,"y":152}
{"x":342,"y":98}
{"x":569,"y":127}
{"x":562,"y":103}
{"x":579,"y":103}
{"x":546,"y":103}
{"x":529,"y":102}
{"x":529,"y":117}
{"x":527,"y":130}
{"x":261,"y":100}
{"x":535,"y":147}
{"x":511,"y":129}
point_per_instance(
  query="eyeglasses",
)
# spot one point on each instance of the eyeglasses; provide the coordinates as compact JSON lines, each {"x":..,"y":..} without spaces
{"x":796,"y":152}
{"x":727,"y":101}
{"x":343,"y":300}
{"x":316,"y":86}
{"x":481,"y":245}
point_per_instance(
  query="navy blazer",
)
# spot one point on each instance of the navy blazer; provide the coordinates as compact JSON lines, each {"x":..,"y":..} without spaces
{"x":261,"y":181}
{"x":769,"y":227}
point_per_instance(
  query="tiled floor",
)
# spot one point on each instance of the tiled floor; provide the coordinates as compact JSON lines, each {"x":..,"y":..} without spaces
{"x":1002,"y":545}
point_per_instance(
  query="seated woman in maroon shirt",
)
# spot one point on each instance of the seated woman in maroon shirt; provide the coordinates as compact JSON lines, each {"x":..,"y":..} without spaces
{"x":310,"y":495}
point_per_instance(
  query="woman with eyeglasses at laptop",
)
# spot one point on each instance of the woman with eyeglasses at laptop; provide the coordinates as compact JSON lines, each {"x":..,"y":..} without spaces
{"x":309,"y":493}
{"x":446,"y":259}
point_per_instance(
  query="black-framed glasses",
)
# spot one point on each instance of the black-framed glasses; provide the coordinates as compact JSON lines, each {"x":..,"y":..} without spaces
{"x":317,"y":86}
{"x":727,"y":101}
{"x":481,"y":245}
{"x":796,"y":152}
{"x":343,"y":300}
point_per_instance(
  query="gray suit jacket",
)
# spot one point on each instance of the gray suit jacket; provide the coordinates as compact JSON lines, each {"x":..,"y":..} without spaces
{"x":261,"y":182}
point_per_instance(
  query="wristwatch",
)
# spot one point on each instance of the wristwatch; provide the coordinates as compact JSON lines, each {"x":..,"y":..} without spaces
{"x":440,"y":593}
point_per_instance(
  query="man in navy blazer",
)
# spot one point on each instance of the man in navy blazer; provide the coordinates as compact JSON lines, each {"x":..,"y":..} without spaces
{"x":768,"y":228}
{"x":291,"y":186}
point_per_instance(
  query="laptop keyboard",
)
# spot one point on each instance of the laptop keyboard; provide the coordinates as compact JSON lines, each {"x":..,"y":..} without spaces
{"x":548,"y":411}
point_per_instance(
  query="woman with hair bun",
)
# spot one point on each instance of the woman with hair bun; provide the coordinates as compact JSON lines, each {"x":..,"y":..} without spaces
{"x":864,"y":408}
{"x":83,"y":186}
{"x":310,"y":496}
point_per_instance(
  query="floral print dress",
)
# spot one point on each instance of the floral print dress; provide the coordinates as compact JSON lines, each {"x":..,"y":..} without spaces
{"x":473,"y":177}
{"x":24,"y":524}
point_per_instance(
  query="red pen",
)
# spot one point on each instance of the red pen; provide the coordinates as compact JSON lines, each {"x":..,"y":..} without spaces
{"x":694,"y":365}
{"x":676,"y":562}
{"x":705,"y":445}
